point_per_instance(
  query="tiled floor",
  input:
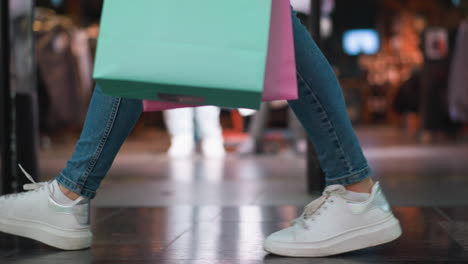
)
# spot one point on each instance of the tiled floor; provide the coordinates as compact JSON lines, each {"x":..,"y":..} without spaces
{"x":153,"y":210}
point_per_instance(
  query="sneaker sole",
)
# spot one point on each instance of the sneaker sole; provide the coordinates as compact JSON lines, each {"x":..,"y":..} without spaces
{"x":365,"y":237}
{"x":54,"y":237}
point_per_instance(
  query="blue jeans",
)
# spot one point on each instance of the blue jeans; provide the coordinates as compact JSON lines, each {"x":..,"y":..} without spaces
{"x":320,"y":108}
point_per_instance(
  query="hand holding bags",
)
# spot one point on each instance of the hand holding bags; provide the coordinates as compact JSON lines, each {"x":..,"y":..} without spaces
{"x":196,"y":52}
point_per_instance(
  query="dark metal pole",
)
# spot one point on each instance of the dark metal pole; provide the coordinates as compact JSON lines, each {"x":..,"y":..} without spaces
{"x":6,"y":120}
{"x":26,"y":118}
{"x":315,"y":175}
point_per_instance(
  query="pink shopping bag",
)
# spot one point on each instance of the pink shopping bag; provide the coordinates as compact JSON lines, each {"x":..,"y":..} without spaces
{"x":280,"y":76}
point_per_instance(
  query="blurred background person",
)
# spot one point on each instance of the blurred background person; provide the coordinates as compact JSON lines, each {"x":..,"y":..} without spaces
{"x":188,"y":125}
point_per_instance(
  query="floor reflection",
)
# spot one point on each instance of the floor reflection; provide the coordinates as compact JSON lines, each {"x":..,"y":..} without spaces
{"x":155,"y":210}
{"x":185,"y":234}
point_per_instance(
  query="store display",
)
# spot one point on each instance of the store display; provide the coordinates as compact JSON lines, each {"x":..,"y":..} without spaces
{"x":436,"y":43}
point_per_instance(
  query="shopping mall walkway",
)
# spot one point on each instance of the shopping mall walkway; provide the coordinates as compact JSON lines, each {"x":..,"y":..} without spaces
{"x":153,"y":210}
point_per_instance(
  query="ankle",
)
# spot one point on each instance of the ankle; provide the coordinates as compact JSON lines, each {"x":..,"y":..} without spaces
{"x":71,"y":195}
{"x":364,"y":186}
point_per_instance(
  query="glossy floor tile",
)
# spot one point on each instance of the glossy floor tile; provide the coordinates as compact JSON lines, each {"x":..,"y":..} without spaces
{"x":154,"y":210}
{"x":234,"y":235}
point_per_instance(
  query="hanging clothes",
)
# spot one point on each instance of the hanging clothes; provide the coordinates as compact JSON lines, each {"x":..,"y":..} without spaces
{"x":58,"y":71}
{"x":458,"y":79}
{"x":64,"y":72}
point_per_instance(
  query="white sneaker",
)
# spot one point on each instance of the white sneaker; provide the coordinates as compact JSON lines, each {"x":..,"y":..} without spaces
{"x":336,"y":223}
{"x":36,"y":215}
{"x":213,"y":148}
{"x":181,"y":147}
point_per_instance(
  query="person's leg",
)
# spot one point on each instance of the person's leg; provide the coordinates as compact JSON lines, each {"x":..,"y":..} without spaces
{"x":322,"y":111}
{"x":61,"y":219}
{"x":340,"y":220}
{"x":179,"y":123}
{"x":108,"y":123}
{"x":211,"y":134}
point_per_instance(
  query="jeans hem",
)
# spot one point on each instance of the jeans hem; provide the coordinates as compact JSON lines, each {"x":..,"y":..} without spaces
{"x":74,"y":187}
{"x":352,"y":178}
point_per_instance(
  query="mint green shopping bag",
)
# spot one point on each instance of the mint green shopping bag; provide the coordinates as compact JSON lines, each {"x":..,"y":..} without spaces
{"x":203,"y":52}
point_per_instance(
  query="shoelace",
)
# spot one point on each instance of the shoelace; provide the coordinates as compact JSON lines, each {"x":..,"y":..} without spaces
{"x":312,"y":210}
{"x":35,"y":186}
